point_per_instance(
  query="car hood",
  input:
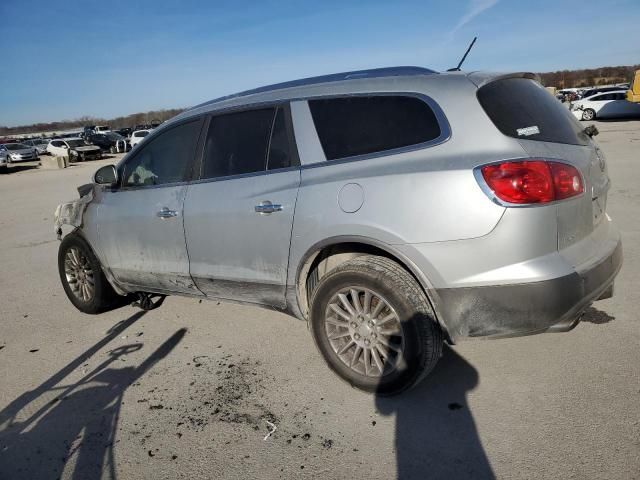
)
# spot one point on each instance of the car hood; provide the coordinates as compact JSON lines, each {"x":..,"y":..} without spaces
{"x":22,"y":151}
{"x":86,"y":148}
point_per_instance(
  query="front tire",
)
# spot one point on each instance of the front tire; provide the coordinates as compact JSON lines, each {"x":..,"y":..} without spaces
{"x":588,"y":114}
{"x":82,"y":277}
{"x":374,"y":326}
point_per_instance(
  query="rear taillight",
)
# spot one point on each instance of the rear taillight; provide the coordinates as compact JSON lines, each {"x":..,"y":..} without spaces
{"x":532,"y":181}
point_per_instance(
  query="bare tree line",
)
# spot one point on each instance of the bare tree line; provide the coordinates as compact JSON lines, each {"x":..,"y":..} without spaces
{"x":115,"y":123}
{"x":589,"y":77}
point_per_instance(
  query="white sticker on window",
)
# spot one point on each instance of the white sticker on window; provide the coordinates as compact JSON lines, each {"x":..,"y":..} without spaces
{"x":527,"y":131}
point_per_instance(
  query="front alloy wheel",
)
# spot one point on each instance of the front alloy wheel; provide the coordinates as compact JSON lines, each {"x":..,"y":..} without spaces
{"x":79,"y":274}
{"x":82,"y":277}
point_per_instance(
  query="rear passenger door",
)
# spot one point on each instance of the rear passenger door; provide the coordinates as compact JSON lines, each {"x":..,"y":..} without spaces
{"x":239,"y":215}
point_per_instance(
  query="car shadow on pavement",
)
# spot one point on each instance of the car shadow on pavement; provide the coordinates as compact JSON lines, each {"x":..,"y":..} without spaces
{"x":15,"y":168}
{"x":593,"y":315}
{"x":67,"y":426}
{"x":436,"y":436}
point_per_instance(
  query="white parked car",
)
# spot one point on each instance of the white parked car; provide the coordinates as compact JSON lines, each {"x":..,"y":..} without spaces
{"x":605,"y":105}
{"x":75,"y":148}
{"x":137,"y":136}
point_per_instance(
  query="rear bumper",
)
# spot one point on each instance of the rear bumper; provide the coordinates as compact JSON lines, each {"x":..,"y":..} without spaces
{"x":529,"y":308}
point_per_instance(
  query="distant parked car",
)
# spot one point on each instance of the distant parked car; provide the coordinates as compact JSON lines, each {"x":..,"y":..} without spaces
{"x":605,"y":105}
{"x":16,"y":152}
{"x":40,"y":144}
{"x":109,"y":142}
{"x":594,"y":91}
{"x":142,"y":126}
{"x":137,"y":136}
{"x":125,"y":132}
{"x":75,"y":148}
{"x":102,"y":129}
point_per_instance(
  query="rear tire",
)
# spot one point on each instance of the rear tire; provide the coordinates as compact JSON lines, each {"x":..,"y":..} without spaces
{"x":82,"y":277}
{"x":369,"y":313}
{"x":112,"y":150}
{"x":588,"y":114}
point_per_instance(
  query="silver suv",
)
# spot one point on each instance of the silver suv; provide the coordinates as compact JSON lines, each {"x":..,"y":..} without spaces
{"x":392,"y":209}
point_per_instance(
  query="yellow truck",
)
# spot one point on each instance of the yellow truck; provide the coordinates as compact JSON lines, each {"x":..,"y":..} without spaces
{"x":633,"y":94}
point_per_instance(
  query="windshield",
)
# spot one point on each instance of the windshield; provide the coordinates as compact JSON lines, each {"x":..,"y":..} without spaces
{"x":141,"y":134}
{"x":114,"y":136}
{"x":102,"y":129}
{"x":16,"y":146}
{"x":75,"y":143}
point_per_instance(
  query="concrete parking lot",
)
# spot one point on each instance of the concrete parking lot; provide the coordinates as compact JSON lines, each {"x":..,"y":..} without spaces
{"x":192,"y":390}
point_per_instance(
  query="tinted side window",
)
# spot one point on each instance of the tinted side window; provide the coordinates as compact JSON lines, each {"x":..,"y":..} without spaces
{"x":165,"y":159}
{"x":522,"y":108}
{"x":237,"y":143}
{"x":282,"y":149}
{"x":349,"y":126}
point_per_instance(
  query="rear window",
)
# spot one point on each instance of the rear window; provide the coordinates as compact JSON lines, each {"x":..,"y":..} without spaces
{"x":360,"y":125}
{"x":522,"y":108}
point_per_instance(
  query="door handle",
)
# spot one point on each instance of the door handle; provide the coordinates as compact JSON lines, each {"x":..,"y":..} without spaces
{"x":166,"y":213}
{"x":267,"y":207}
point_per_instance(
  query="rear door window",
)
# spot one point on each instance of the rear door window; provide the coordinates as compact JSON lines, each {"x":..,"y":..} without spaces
{"x":282,"y":149}
{"x":248,"y":142}
{"x":523,"y":109}
{"x":361,"y":125}
{"x":237,"y":143}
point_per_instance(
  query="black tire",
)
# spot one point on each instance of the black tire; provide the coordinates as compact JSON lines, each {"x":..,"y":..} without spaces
{"x":422,"y":337}
{"x":104,"y":297}
{"x":588,"y":114}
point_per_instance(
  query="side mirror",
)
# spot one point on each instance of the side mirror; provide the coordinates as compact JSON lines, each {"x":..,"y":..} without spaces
{"x":591,"y":130}
{"x":65,"y":147}
{"x":107,"y":175}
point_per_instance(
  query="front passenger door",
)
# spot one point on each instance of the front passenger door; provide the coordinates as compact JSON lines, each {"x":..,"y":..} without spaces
{"x":140,"y":224}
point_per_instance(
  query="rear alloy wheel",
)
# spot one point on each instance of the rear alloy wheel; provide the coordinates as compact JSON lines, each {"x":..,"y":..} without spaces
{"x":112,"y":150}
{"x":82,"y":277}
{"x":588,"y":114}
{"x":374,"y":326}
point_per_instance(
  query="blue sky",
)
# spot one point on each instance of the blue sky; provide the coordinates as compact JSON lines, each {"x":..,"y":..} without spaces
{"x":64,"y":60}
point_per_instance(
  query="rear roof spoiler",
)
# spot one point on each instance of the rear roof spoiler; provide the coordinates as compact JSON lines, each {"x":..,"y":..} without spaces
{"x":481,"y":79}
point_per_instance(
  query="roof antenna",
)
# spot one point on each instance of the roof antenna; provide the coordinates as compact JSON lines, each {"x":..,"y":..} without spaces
{"x":464,"y":57}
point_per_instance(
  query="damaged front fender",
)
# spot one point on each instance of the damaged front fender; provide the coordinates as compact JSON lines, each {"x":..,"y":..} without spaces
{"x":72,"y":213}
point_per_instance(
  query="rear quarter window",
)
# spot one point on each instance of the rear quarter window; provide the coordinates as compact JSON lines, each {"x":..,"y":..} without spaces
{"x":361,"y":125}
{"x":523,"y":109}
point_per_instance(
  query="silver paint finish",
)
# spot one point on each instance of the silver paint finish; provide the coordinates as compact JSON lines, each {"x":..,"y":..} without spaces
{"x":423,"y":205}
{"x":140,"y":248}
{"x":235,"y":251}
{"x":351,"y":198}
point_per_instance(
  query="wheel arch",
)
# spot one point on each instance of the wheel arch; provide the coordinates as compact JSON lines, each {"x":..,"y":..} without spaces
{"x":105,"y":269}
{"x":325,"y":255}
